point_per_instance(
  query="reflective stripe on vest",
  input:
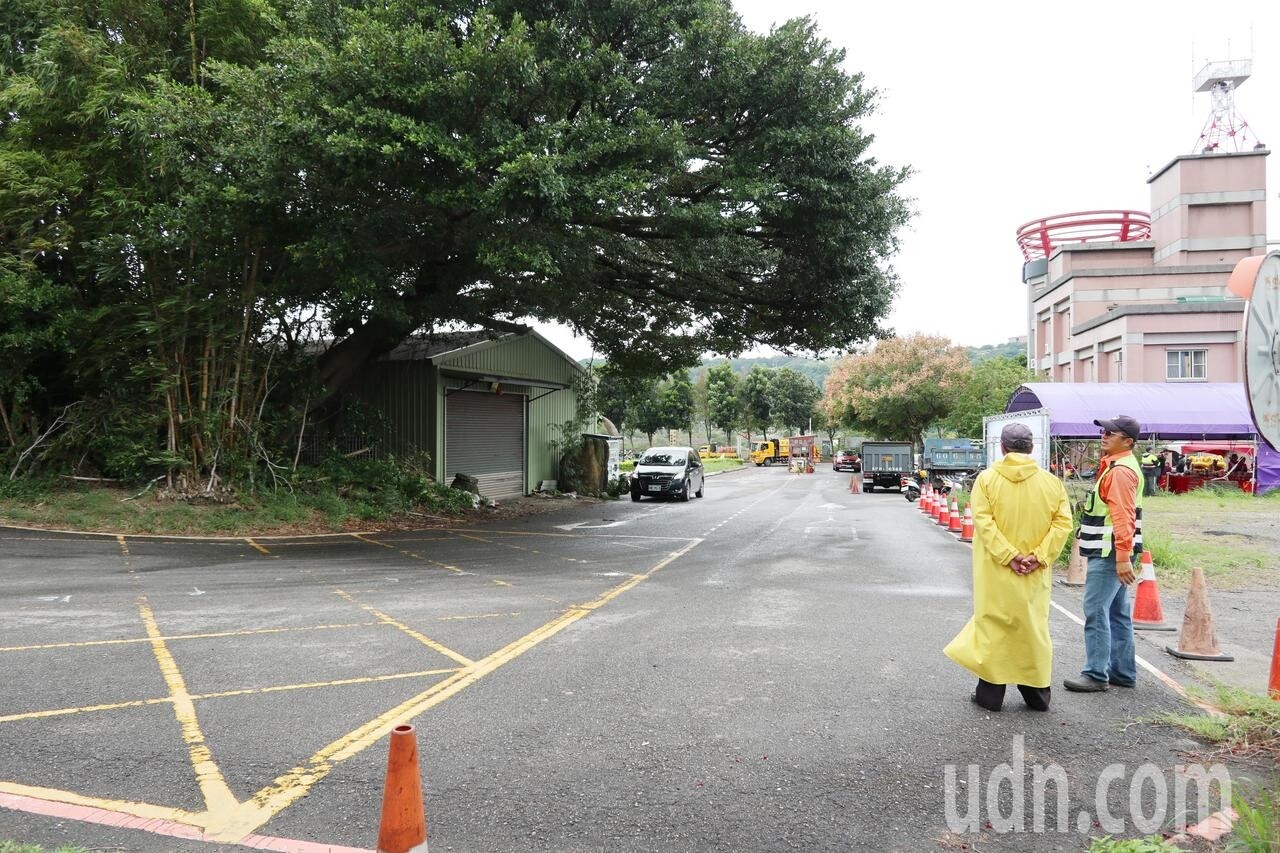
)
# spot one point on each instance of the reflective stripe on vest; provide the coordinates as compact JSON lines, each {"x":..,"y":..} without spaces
{"x":1097,"y":535}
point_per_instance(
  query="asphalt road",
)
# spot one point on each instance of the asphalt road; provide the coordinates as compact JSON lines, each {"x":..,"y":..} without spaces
{"x":759,"y":669}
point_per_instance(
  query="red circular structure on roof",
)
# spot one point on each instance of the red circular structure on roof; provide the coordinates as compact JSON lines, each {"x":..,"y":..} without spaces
{"x":1039,"y":237}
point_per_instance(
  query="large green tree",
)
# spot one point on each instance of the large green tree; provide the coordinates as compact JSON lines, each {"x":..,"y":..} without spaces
{"x":677,"y":403}
{"x":792,"y":397}
{"x":754,"y":400}
{"x":193,"y":195}
{"x":723,"y":399}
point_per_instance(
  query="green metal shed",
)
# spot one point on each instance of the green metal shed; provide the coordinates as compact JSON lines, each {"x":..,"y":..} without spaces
{"x":478,"y":403}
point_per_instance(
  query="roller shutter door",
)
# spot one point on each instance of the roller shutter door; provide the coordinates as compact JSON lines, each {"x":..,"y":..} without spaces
{"x":484,"y":437}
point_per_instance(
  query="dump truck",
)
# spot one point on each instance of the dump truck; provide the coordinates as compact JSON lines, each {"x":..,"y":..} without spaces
{"x":717,"y":451}
{"x":771,"y":451}
{"x":952,"y":455}
{"x":885,"y":463}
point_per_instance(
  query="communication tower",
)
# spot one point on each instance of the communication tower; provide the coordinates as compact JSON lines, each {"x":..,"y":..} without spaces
{"x":1225,"y":129}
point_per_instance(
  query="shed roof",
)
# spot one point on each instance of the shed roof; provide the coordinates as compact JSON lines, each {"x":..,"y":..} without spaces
{"x":1165,"y":409}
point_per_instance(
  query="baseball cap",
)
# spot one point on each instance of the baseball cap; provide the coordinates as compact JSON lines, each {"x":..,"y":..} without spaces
{"x":1121,"y":423}
{"x":1016,"y":433}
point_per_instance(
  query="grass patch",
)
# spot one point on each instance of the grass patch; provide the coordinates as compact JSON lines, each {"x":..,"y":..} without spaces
{"x":317,"y":500}
{"x":713,"y":465}
{"x":15,"y":847}
{"x":1257,"y":829}
{"x":1249,"y":728}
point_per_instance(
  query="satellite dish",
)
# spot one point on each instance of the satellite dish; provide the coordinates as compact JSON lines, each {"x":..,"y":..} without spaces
{"x":1262,"y":348}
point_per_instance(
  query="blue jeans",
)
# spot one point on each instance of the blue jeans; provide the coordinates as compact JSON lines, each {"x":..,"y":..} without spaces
{"x":1108,"y":624}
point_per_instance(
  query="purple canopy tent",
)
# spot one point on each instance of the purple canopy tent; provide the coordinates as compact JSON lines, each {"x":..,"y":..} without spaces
{"x":1167,"y":410}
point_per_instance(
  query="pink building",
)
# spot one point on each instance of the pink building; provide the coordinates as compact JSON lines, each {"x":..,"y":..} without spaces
{"x":1123,"y":296}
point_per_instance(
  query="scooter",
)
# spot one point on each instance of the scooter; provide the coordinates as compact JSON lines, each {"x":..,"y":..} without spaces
{"x":910,"y":489}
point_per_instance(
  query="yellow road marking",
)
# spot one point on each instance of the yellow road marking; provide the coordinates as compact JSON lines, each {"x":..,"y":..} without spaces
{"x":217,"y":795}
{"x":421,"y":638}
{"x":364,"y":538}
{"x":295,"y":784}
{"x":62,"y":712}
{"x":212,"y":634}
{"x":248,"y":691}
{"x":124,"y":546}
{"x":518,"y":548}
{"x":145,"y":810}
{"x":478,"y":616}
{"x":256,"y":545}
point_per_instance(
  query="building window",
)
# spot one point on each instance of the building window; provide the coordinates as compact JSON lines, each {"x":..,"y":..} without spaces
{"x":1185,"y":364}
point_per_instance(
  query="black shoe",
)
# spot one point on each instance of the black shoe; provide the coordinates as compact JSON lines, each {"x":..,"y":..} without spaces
{"x":1129,"y":684}
{"x":1085,"y":684}
{"x":1037,"y":698}
{"x":975,"y":700}
{"x":988,"y":695}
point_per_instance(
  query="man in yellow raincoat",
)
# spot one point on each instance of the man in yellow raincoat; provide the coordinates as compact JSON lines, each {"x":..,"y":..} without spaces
{"x":1021,"y":518}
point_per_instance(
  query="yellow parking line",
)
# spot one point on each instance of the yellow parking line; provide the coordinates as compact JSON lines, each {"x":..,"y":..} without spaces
{"x":295,"y":784}
{"x":170,"y":638}
{"x":340,"y":682}
{"x":518,"y":548}
{"x":217,"y":795}
{"x":364,"y":538}
{"x":248,"y":691}
{"x":256,"y":545}
{"x":62,"y":712}
{"x":143,"y":810}
{"x":421,"y":638}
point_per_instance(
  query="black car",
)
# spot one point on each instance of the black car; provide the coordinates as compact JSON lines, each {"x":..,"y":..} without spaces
{"x":846,"y":460}
{"x":667,"y":472}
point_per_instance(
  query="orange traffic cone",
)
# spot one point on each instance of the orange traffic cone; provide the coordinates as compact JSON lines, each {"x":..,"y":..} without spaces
{"x":1148,"y":615}
{"x":404,"y":824}
{"x":944,"y":514}
{"x":966,"y":527}
{"x":954,"y":526}
{"x":1273,"y":687}
{"x":939,"y":501}
{"x":926,"y":498}
{"x":1198,"y":641}
{"x":1077,"y":567}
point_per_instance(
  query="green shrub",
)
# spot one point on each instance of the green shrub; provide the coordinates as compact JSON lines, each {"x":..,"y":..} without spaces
{"x":1257,"y":828}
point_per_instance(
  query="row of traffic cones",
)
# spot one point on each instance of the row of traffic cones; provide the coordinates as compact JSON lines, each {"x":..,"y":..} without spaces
{"x":934,"y":504}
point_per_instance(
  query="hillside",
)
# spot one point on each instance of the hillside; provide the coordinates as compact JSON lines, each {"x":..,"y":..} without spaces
{"x":817,"y":369}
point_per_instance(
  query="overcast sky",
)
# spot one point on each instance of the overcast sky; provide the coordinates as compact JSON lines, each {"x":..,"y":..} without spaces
{"x":1006,"y":117}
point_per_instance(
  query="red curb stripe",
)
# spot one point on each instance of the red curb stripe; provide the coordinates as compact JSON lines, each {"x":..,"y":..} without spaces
{"x":158,"y":826}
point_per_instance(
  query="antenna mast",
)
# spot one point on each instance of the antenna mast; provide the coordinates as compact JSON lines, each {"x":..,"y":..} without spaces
{"x":1225,"y":129}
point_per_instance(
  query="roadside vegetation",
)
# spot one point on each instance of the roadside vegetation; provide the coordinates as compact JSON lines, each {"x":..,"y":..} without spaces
{"x":329,"y":497}
{"x":15,"y":847}
{"x":1248,"y":731}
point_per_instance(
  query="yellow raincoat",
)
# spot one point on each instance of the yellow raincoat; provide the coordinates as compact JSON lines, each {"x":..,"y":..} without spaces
{"x":1018,"y":508}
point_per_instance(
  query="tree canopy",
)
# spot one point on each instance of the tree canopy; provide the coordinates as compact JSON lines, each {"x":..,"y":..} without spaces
{"x":899,"y":388}
{"x":194,"y":195}
{"x":986,"y":392}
